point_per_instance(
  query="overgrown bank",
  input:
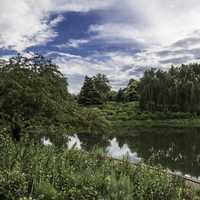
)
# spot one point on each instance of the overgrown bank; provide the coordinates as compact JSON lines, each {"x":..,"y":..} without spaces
{"x":38,"y":172}
{"x":126,"y":117}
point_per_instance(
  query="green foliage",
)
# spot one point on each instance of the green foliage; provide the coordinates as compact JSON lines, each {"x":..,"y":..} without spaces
{"x":95,"y":90}
{"x":176,"y":90}
{"x":131,"y":92}
{"x":102,"y":85}
{"x":32,"y":92}
{"x":128,"y":94}
{"x":29,"y":171}
{"x":120,"y":97}
{"x":89,"y":95}
{"x":93,"y":121}
{"x":34,"y":101}
{"x":125,"y":117}
{"x":112,"y":95}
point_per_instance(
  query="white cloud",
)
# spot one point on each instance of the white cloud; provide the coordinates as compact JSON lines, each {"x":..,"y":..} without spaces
{"x":76,"y":67}
{"x":73,"y":44}
{"x":25,"y":23}
{"x":161,"y":22}
{"x":168,"y":32}
{"x":116,"y":32}
{"x":156,"y":26}
{"x":79,"y":5}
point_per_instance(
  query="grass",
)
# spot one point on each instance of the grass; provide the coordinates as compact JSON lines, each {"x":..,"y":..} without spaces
{"x":128,"y":115}
{"x":35,"y":172}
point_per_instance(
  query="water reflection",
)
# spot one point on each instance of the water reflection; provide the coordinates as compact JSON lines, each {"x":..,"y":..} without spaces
{"x":74,"y":142}
{"x":175,"y":149}
{"x":46,"y":141}
{"x":115,"y":151}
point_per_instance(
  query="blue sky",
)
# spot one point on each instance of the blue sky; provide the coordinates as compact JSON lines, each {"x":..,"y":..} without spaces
{"x":118,"y":38}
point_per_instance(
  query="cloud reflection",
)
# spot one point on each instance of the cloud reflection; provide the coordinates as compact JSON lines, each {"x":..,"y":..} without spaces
{"x":116,"y":151}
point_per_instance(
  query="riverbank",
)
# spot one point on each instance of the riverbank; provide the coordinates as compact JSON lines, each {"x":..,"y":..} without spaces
{"x":29,"y":171}
{"x":127,"y":116}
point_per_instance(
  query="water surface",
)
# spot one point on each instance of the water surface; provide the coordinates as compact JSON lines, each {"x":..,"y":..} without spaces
{"x":175,"y":149}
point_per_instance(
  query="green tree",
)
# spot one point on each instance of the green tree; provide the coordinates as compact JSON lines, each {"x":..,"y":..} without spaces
{"x":131,"y":92}
{"x":35,"y":102}
{"x":175,"y":90}
{"x":33,"y":93}
{"x":102,"y":85}
{"x":89,"y":95}
{"x":95,"y":90}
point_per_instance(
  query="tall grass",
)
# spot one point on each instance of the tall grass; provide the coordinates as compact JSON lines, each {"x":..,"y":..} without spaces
{"x":32,"y":171}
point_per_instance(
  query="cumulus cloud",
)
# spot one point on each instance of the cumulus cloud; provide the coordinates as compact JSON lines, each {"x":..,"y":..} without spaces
{"x":162,"y":22}
{"x":27,"y":23}
{"x":76,"y":67}
{"x":164,"y":33}
{"x":168,"y":31}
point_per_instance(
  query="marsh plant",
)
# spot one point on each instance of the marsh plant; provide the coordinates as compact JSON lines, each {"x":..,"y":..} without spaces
{"x":31,"y":171}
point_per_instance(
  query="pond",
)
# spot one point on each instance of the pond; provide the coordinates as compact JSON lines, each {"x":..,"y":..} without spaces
{"x":175,"y":149}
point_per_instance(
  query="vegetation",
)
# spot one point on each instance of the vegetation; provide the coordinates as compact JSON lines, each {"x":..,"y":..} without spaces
{"x":177,"y":90}
{"x":29,"y":171}
{"x":34,"y":101}
{"x":126,"y":117}
{"x":95,"y":90}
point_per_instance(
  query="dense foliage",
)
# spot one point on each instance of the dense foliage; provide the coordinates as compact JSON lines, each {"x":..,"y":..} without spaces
{"x":95,"y":90}
{"x":37,"y":172}
{"x":128,"y":94}
{"x":175,"y":90}
{"x":34,"y":101}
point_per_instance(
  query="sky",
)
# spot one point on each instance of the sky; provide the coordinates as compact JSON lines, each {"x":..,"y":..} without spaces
{"x":120,"y":38}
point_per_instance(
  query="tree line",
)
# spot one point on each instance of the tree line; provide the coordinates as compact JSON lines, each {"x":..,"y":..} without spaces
{"x":34,"y":97}
{"x":96,"y":90}
{"x":175,"y":90}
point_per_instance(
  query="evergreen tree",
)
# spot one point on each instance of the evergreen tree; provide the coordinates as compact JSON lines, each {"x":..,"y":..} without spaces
{"x":101,"y":83}
{"x":95,"y":90}
{"x":89,"y":95}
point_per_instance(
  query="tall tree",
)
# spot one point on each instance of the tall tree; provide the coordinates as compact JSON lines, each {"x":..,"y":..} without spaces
{"x":102,"y":85}
{"x":32,"y":91}
{"x":95,"y":90}
{"x":89,"y":95}
{"x":131,"y":92}
{"x":175,"y":90}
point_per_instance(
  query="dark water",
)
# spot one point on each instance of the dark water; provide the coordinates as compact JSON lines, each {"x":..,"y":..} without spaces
{"x":175,"y":149}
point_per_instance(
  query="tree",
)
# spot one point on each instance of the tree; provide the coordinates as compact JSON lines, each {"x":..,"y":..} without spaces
{"x":33,"y":93}
{"x":89,"y":94}
{"x":95,"y":90}
{"x":175,"y":90}
{"x":131,"y":92}
{"x":101,"y":83}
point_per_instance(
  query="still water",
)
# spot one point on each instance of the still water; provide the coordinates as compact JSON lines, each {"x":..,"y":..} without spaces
{"x":175,"y":149}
